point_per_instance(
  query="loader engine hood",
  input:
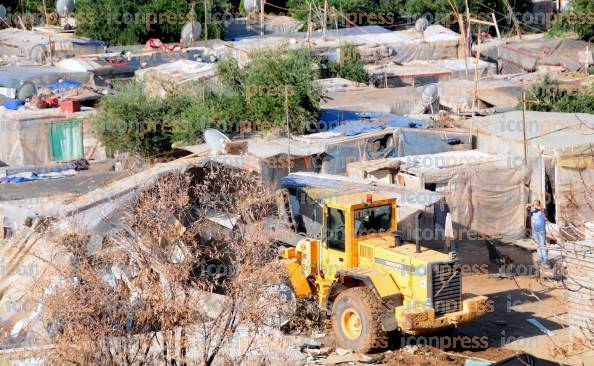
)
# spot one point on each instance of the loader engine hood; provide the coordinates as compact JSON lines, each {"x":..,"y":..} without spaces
{"x":417,"y":274}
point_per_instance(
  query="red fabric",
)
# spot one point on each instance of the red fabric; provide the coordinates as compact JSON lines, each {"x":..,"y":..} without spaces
{"x":156,"y":43}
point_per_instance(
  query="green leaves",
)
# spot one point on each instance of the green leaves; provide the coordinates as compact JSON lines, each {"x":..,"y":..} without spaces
{"x":132,"y":122}
{"x":123,"y":22}
{"x":352,"y":67}
{"x":547,"y":96}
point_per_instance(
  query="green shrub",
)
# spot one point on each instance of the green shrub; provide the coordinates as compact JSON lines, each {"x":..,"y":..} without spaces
{"x":122,"y":22}
{"x":577,"y":19}
{"x":547,"y":96}
{"x":129,"y":121}
{"x":263,"y":83}
{"x":438,"y":11}
{"x":351,"y":67}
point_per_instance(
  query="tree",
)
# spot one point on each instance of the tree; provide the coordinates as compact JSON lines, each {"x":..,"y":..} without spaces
{"x":129,"y":121}
{"x":577,"y":19}
{"x":351,"y":67}
{"x":436,"y":11}
{"x":122,"y":22}
{"x":259,"y":94}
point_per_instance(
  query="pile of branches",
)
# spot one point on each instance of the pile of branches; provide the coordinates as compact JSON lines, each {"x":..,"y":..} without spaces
{"x":163,"y":289}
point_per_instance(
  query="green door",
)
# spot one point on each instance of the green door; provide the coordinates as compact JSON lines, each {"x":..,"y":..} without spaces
{"x":65,"y":140}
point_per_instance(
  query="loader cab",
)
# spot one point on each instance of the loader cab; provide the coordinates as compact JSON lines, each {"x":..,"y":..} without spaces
{"x":349,"y":218}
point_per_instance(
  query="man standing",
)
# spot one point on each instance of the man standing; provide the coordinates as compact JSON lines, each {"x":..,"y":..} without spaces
{"x":539,"y":230}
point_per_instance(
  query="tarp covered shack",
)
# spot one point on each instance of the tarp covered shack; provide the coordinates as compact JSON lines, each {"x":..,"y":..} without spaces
{"x":36,"y":137}
{"x":559,"y":153}
{"x":330,"y":151}
{"x":529,"y":55}
{"x":486,"y":198}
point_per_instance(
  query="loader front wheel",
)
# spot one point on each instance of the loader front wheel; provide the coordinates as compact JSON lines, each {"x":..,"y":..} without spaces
{"x":356,"y":319}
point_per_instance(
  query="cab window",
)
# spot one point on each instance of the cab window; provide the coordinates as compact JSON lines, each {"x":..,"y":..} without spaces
{"x":335,"y":229}
{"x":373,"y":220}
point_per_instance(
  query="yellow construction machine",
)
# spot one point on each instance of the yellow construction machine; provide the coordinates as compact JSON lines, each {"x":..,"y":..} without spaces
{"x":370,"y":282}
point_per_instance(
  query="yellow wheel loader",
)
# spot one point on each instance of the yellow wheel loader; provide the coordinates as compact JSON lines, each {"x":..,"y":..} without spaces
{"x":369,"y":281}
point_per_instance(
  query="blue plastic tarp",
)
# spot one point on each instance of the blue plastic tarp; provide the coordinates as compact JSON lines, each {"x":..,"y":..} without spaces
{"x":351,"y":123}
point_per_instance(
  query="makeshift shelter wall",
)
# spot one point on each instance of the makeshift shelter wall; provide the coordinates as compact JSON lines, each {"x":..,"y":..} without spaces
{"x":487,"y":199}
{"x":23,"y":143}
{"x":513,"y":153}
{"x":418,"y":142}
{"x":574,"y":201}
{"x":25,"y":136}
{"x":490,"y":201}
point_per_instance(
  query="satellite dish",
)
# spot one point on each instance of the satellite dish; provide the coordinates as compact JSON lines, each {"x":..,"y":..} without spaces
{"x":2,"y":13}
{"x":186,"y":34}
{"x":430,"y":94}
{"x":64,"y":7}
{"x":215,"y":140}
{"x":38,"y":53}
{"x":421,"y":24}
{"x":250,"y":5}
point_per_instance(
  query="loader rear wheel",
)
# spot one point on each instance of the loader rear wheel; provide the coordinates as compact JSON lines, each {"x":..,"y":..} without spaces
{"x":356,"y":319}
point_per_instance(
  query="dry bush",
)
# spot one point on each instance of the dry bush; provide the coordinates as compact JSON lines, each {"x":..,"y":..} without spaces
{"x":148,"y":295}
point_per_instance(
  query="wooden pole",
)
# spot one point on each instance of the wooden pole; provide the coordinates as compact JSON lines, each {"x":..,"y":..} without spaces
{"x":476,"y":77}
{"x":587,"y":59}
{"x":325,"y":21}
{"x":261,"y":17}
{"x":49,"y":50}
{"x":205,"y":22}
{"x":514,"y":19}
{"x":524,"y":123}
{"x":468,"y":41}
{"x":309,"y":27}
{"x":496,"y":25}
{"x":288,"y":128}
{"x":45,"y":12}
{"x":465,"y":40}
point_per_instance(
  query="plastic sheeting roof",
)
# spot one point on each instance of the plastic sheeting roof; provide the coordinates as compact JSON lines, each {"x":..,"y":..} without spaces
{"x":447,"y":160}
{"x":546,"y":130}
{"x":15,"y":76}
{"x":327,"y":185}
{"x":349,"y":123}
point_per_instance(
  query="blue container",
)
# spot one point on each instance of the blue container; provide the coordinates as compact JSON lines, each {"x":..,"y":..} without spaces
{"x":13,"y":104}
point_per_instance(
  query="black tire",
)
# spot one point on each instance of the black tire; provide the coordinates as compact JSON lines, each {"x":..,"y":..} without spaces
{"x":361,"y":306}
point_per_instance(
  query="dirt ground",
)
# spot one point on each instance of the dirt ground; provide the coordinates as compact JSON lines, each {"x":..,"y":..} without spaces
{"x":502,"y":333}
